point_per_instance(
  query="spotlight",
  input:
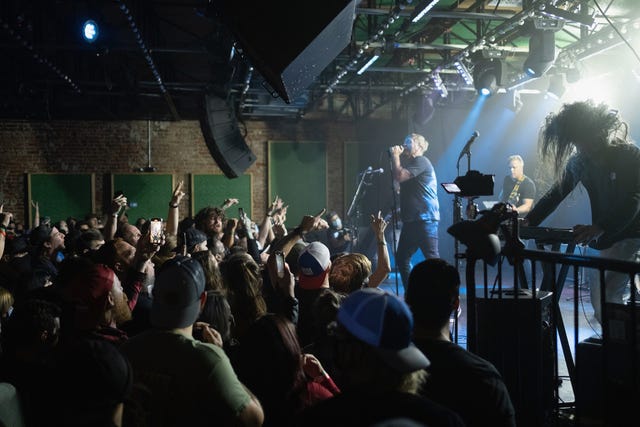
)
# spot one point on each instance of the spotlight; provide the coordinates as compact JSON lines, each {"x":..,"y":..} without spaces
{"x":90,"y":31}
{"x":542,"y":53}
{"x":487,"y":76}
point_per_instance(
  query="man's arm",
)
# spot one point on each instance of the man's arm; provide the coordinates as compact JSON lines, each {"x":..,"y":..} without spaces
{"x":400,"y":174}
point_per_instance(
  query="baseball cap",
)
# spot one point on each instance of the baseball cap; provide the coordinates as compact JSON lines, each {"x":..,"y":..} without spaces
{"x":90,"y":289}
{"x":383,"y":321}
{"x":313,"y":263}
{"x":176,"y":293}
{"x":194,"y":237}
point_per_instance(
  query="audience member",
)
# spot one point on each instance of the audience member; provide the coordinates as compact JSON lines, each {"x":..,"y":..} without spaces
{"x":314,"y":265}
{"x":458,"y":379}
{"x":29,"y":358}
{"x":99,"y":303}
{"x":95,"y":381}
{"x":189,"y":382}
{"x":243,"y":283}
{"x":380,"y":369}
{"x":270,"y":362}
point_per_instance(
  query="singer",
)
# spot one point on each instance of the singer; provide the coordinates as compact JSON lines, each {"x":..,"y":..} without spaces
{"x":419,"y":207}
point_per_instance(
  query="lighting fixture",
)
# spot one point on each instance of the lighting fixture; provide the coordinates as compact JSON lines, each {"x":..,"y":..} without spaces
{"x":429,"y":4}
{"x":542,"y":53}
{"x":90,"y":31}
{"x":371,"y":60}
{"x":464,"y":72}
{"x":487,"y":76}
{"x":557,"y":86}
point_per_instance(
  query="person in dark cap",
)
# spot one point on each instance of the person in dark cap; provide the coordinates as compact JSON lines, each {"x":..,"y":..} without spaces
{"x":190,"y":382}
{"x":380,"y":369}
{"x":100,"y":305}
{"x":195,"y":240}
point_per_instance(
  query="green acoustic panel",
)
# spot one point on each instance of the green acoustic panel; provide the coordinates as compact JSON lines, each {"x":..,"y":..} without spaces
{"x":298,"y":174}
{"x":213,"y":190}
{"x":60,"y":196}
{"x":148,"y":194}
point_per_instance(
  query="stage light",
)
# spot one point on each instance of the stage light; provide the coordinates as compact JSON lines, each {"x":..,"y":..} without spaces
{"x":373,"y":59}
{"x":90,"y":31}
{"x":487,"y":76}
{"x":428,"y":5}
{"x":542,"y":53}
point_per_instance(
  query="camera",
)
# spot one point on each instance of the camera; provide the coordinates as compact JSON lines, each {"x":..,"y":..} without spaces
{"x":472,"y":184}
{"x":341,"y":233}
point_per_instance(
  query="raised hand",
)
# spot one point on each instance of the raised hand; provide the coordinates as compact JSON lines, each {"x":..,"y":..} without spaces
{"x":378,"y":225}
{"x":178,"y":194}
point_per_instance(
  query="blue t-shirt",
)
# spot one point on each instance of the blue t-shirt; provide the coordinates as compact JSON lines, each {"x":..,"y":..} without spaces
{"x":419,"y":194}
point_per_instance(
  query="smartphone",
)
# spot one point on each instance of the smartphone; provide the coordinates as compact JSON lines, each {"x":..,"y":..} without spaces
{"x":155,"y":231}
{"x":241,"y":214}
{"x":279,"y":264}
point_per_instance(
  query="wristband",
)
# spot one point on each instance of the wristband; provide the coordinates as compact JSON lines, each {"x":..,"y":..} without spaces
{"x":174,"y":206}
{"x":3,"y":232}
{"x":382,"y":243}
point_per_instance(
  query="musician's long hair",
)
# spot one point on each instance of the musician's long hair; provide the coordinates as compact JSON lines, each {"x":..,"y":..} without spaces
{"x":578,"y":128}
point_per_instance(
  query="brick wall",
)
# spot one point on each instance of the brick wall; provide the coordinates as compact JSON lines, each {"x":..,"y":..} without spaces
{"x":176,"y":147}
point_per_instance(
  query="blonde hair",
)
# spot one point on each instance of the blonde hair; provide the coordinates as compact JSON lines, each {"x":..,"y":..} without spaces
{"x":6,"y":301}
{"x":420,"y":140}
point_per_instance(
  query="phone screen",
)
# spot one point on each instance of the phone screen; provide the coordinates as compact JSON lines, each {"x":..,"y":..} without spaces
{"x":280,"y":264}
{"x":155,"y":231}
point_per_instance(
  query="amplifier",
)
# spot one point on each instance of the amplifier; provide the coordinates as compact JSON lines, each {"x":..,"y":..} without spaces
{"x":515,"y":334}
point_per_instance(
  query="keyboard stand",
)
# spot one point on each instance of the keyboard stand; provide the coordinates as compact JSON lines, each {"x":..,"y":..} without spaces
{"x":547,"y":285}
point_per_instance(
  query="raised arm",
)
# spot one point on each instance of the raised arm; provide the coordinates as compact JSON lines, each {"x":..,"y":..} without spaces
{"x":308,"y":223}
{"x":6,"y":219}
{"x":36,"y":213}
{"x":174,"y":211}
{"x":383,"y":268}
{"x":117,"y":205}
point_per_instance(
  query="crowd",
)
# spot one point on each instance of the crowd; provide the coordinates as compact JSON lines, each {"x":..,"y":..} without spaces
{"x":104,"y":326}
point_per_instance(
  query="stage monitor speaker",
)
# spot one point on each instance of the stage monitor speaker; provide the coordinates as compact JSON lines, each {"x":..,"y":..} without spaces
{"x":223,"y":138}
{"x":516,"y":336}
{"x":606,"y":388}
{"x":287,"y":42}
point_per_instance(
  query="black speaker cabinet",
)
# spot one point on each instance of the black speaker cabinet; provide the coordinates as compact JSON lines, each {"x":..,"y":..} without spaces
{"x":516,"y":336}
{"x":605,"y":386}
{"x":223,"y":138}
{"x":290,"y":42}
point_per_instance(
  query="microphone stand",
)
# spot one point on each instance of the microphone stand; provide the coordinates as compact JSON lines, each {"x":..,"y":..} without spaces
{"x":354,"y":201}
{"x":394,"y":223}
{"x":457,"y":206}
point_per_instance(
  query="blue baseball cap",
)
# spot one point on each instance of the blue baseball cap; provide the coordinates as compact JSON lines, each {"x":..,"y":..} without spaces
{"x":383,"y":321}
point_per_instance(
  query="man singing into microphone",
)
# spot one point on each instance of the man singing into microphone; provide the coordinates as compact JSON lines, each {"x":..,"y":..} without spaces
{"x":419,"y":208}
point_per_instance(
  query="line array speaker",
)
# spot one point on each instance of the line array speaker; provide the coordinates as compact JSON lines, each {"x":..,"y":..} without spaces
{"x":287,"y":43}
{"x":223,"y":138}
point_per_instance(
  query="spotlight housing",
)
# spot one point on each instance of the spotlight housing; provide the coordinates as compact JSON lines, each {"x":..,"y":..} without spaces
{"x":487,"y":76}
{"x":90,"y":31}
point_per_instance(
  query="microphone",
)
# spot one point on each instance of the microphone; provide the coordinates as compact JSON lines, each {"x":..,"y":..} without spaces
{"x":374,"y":171}
{"x":467,"y":146}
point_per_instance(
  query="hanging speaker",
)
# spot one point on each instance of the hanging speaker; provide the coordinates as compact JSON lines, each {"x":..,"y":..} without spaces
{"x":288,"y":44}
{"x":223,"y":138}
